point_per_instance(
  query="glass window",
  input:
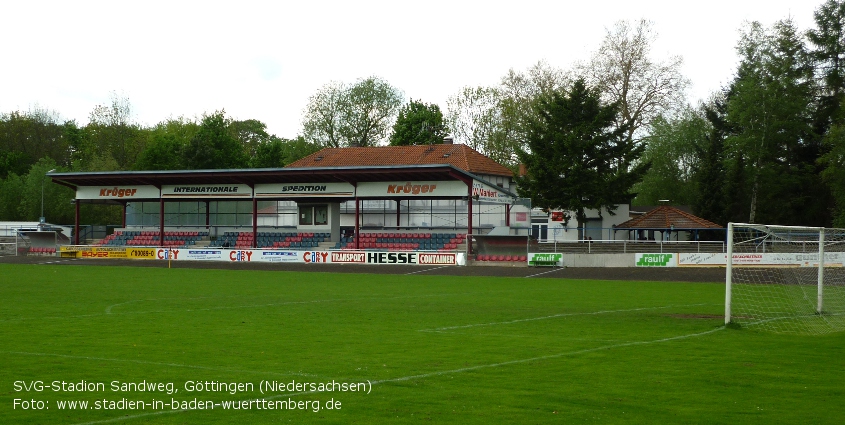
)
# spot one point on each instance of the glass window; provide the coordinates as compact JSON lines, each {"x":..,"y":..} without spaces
{"x":321,"y":215}
{"x":306,"y":216}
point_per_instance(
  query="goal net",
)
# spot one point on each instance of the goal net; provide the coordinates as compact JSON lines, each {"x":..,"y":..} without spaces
{"x":785,"y":279}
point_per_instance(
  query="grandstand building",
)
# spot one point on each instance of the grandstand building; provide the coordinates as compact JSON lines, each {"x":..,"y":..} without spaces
{"x":330,"y":196}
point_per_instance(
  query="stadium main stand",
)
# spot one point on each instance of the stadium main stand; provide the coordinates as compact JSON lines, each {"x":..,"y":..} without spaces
{"x":440,"y":242}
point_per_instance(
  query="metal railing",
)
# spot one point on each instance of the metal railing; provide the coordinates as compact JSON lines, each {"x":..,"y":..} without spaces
{"x":634,"y":247}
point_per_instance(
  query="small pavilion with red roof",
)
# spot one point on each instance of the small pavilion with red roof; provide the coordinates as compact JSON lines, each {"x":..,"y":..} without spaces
{"x":667,"y":220}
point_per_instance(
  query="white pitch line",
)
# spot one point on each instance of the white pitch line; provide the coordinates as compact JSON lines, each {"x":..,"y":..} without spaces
{"x":426,"y":270}
{"x":550,"y":356}
{"x":530,"y":319}
{"x":550,"y":271}
{"x":440,"y":373}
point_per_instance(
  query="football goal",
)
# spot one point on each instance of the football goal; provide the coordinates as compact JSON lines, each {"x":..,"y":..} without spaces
{"x":785,"y":279}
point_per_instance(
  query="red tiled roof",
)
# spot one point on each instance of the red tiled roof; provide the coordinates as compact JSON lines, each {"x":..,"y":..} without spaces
{"x":665,"y":217}
{"x":460,"y":156}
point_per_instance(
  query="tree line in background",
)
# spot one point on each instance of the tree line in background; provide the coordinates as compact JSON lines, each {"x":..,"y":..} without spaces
{"x":769,"y":147}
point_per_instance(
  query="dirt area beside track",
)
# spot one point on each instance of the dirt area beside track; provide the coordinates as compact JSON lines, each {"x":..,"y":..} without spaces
{"x":666,"y":274}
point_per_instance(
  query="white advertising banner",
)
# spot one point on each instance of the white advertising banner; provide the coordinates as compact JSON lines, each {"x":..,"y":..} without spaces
{"x":421,"y":189}
{"x":301,"y":190}
{"x":312,"y":257}
{"x":274,"y":256}
{"x":486,"y":193}
{"x":206,"y":191}
{"x":762,"y":259}
{"x":117,"y":192}
{"x":202,"y":254}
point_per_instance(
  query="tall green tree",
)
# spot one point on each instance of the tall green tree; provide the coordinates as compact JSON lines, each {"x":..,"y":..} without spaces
{"x":279,"y":152}
{"x":213,"y":146}
{"x":163,"y":152}
{"x":418,"y":123}
{"x":56,"y":198}
{"x":494,"y":120}
{"x":573,"y":155}
{"x":250,"y":133}
{"x":27,"y":136}
{"x":771,"y":111}
{"x":11,"y":188}
{"x":359,"y":114}
{"x":112,"y":138}
{"x":709,"y":174}
{"x":167,"y":144}
{"x":828,"y":55}
{"x":673,"y":148}
{"x":473,"y":116}
{"x":834,"y":171}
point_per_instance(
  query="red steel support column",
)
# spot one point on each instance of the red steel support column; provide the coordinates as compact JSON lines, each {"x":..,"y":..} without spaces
{"x":357,"y":214}
{"x":398,"y":215}
{"x":469,"y":220}
{"x":161,"y":222}
{"x":76,"y":223}
{"x":508,"y":215}
{"x":254,"y":221}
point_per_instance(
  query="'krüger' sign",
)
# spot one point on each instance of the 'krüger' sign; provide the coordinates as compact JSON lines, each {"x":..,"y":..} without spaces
{"x":117,"y":192}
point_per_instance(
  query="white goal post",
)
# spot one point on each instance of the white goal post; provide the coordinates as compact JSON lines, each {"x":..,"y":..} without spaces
{"x":786,"y":279}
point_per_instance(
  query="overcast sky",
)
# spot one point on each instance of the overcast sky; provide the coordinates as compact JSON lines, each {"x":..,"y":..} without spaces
{"x":263,"y":59}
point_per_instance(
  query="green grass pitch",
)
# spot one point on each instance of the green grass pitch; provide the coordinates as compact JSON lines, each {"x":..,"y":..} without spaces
{"x":431,"y":349}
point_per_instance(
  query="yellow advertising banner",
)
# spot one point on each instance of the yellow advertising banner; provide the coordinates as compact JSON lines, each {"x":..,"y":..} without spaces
{"x":141,"y":253}
{"x":93,"y":252}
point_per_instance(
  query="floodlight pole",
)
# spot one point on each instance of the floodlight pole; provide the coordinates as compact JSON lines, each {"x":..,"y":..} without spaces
{"x":42,"y":194}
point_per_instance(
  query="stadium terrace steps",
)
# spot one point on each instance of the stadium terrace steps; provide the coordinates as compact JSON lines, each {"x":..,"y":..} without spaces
{"x":152,"y":238}
{"x":272,"y":240}
{"x":380,"y":241}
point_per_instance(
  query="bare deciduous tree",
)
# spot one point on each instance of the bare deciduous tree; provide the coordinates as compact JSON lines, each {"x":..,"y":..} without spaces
{"x":624,"y":71}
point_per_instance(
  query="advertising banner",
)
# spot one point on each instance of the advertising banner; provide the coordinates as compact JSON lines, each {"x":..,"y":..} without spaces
{"x":405,"y":189}
{"x":762,"y":259}
{"x":486,"y":193}
{"x":141,"y":253}
{"x":302,"y":190}
{"x":269,"y":255}
{"x":101,"y":252}
{"x":349,"y":257}
{"x":545,"y":259}
{"x":656,"y":260}
{"x":279,"y":256}
{"x":421,"y":258}
{"x":202,"y":254}
{"x":124,"y":193}
{"x":206,"y":191}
